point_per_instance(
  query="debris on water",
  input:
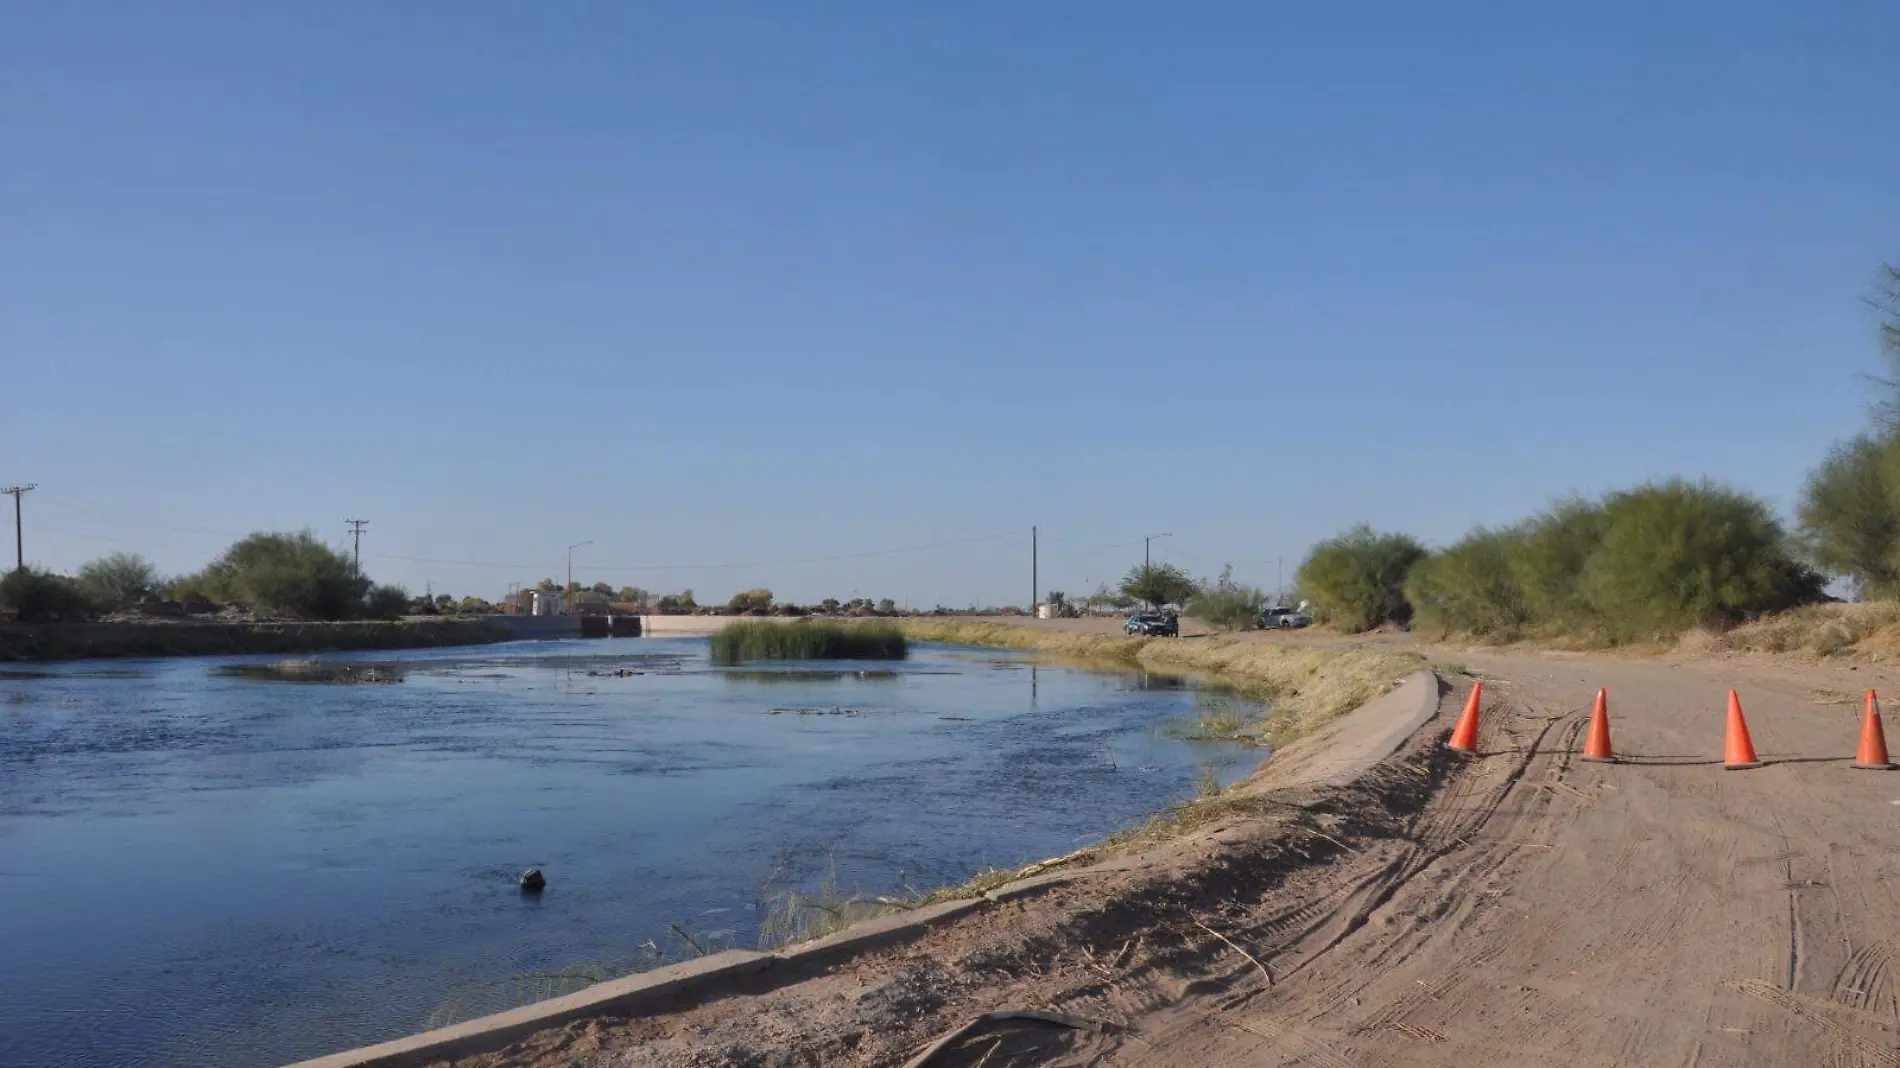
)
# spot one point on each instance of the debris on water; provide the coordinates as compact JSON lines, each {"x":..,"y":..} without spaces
{"x":621,"y":673}
{"x":834,"y":710}
{"x":533,"y":882}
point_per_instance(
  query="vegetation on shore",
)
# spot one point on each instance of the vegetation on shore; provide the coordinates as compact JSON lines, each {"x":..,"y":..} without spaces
{"x":284,"y":576}
{"x":1655,"y":562}
{"x":1308,"y":685}
{"x":1641,"y":565}
{"x":1228,"y":605}
{"x":72,"y":641}
{"x":808,"y":639}
{"x":1354,"y":579}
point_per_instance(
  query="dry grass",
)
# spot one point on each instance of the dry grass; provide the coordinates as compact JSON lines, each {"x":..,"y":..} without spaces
{"x":1871,"y":630}
{"x":1309,"y":686}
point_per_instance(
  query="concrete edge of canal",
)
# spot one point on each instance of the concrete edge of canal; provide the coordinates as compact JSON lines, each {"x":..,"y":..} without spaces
{"x":1347,"y":748}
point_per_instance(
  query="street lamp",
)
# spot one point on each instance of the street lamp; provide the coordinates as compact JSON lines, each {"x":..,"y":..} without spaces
{"x":1146,"y":561}
{"x":568,"y":591}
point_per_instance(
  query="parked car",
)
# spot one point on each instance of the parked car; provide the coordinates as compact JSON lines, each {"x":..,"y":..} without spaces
{"x":1283,"y":618}
{"x":1153,"y":625}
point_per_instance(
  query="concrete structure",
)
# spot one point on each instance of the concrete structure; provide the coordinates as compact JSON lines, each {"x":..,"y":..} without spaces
{"x":548,"y":602}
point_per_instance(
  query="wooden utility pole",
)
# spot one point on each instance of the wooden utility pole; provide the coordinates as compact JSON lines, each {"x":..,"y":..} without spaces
{"x":19,"y":539}
{"x":356,"y":535}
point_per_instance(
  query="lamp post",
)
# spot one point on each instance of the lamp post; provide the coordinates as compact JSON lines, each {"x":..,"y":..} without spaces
{"x":568,"y":590}
{"x":1146,"y":559}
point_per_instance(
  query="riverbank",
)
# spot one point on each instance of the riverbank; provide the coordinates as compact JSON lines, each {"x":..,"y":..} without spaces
{"x":73,"y":641}
{"x":1309,"y":685}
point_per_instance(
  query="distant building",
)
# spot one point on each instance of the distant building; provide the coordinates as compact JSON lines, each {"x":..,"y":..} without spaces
{"x":547,"y":602}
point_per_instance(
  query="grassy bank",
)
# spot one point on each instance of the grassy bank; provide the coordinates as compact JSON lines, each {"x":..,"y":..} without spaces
{"x":1308,"y":686}
{"x":806,"y":639}
{"x":73,"y":641}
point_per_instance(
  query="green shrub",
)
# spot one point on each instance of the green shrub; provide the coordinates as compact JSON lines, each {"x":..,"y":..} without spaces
{"x":1650,"y":562}
{"x":1355,"y":580}
{"x":119,"y":579}
{"x":1470,"y":588}
{"x":807,"y":639}
{"x":1547,"y":554}
{"x":1678,"y":554}
{"x":1850,"y":514}
{"x":386,"y":602}
{"x":1227,"y":604}
{"x":292,"y":575}
{"x":34,"y":596}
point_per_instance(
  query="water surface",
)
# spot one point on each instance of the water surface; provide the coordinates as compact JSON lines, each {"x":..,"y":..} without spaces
{"x":210,"y":870}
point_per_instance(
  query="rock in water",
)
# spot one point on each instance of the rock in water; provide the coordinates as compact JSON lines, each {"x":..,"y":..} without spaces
{"x":532,"y":881}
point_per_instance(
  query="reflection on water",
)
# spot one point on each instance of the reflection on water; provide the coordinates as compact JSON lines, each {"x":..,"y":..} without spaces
{"x":212,"y":871}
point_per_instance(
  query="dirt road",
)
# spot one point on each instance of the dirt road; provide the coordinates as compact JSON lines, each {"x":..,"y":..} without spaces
{"x":1521,"y":907}
{"x":1658,"y":912}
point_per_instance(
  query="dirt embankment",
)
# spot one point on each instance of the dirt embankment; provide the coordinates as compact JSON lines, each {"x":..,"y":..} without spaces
{"x":1516,"y":908}
{"x":70,"y":641}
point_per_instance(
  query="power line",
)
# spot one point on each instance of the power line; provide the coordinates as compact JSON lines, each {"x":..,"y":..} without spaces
{"x":110,"y":513}
{"x":19,"y":538}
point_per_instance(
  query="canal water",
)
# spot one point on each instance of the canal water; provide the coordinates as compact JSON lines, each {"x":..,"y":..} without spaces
{"x":219,"y":871}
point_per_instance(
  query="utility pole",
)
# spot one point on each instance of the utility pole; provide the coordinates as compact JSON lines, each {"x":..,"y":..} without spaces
{"x":356,"y":533}
{"x":19,"y":539}
{"x":1035,"y":579}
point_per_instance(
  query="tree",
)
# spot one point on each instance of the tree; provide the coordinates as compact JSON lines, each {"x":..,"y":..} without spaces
{"x":1356,"y":579}
{"x":750,"y":601}
{"x":1849,"y":515}
{"x":1228,"y":604}
{"x":887,"y":607}
{"x":1158,"y":584}
{"x":475,"y":606}
{"x":604,"y":589}
{"x":34,"y":596}
{"x":634,"y":595}
{"x":829,"y":606}
{"x":119,"y":580}
{"x":547,"y":585}
{"x":292,"y":575}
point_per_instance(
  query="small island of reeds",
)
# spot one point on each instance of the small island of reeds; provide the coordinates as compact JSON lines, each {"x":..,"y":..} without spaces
{"x":343,"y":671}
{"x":808,"y":639}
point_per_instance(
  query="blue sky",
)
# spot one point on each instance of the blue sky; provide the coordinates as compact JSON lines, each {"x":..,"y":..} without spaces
{"x":753,"y":285}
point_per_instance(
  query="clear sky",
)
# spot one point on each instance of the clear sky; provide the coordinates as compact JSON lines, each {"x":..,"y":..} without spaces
{"x":751,"y":285}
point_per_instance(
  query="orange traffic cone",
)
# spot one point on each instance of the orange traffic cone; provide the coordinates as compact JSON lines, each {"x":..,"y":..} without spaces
{"x":1739,"y":754}
{"x":1464,"y":737}
{"x":1597,"y":745}
{"x":1873,"y":740}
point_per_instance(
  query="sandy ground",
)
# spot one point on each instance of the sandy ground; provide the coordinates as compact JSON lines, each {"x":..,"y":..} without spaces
{"x":1517,"y":908}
